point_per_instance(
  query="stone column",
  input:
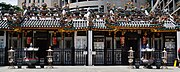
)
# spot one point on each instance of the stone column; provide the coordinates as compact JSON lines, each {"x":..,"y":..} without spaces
{"x":69,"y":1}
{"x":90,"y":48}
{"x":75,"y":36}
{"x":178,"y":42}
{"x":33,"y":37}
{"x":4,"y":39}
{"x":50,"y":32}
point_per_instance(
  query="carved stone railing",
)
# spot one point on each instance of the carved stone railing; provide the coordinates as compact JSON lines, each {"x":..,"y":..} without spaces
{"x":99,"y":24}
{"x":169,"y":24}
{"x":79,"y":24}
{"x":136,"y":24}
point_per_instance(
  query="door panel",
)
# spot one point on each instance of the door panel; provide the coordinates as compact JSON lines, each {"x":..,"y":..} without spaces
{"x":131,"y":40}
{"x":98,"y":58}
{"x":80,"y":49}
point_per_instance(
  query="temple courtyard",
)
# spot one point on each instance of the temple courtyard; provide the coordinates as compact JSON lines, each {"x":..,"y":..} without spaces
{"x":88,"y":69}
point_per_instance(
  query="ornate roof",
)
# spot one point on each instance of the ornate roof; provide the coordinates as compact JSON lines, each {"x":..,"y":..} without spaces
{"x":137,"y":24}
{"x":63,"y":18}
{"x":41,"y":24}
{"x":4,"y":24}
{"x":84,"y":25}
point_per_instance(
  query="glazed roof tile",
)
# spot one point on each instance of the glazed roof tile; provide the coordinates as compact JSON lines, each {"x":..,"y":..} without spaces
{"x":4,"y":24}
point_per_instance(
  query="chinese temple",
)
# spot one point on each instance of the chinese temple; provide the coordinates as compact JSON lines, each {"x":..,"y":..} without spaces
{"x":89,"y":37}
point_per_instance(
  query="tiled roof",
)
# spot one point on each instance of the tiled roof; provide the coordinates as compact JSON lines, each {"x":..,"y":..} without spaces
{"x":41,"y":24}
{"x":135,"y":24}
{"x":83,"y":24}
{"x":4,"y":24}
{"x":169,"y":25}
{"x":178,"y":25}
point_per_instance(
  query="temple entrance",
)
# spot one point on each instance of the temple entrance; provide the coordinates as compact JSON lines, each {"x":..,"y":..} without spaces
{"x":131,"y":40}
{"x":98,"y":57}
{"x":42,"y":41}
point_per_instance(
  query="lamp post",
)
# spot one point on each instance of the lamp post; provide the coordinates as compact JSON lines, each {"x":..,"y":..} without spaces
{"x":11,"y":57}
{"x":164,"y":58}
{"x":49,"y":57}
{"x":131,"y":56}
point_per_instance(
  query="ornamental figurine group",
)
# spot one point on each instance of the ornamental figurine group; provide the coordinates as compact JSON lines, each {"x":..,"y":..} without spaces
{"x":113,"y":14}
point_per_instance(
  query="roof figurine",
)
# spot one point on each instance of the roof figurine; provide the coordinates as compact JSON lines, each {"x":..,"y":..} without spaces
{"x":24,"y":6}
{"x":44,"y":10}
{"x":127,"y":16}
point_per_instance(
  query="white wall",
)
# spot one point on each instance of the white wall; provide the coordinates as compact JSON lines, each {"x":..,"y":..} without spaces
{"x":50,"y":3}
{"x":118,"y":3}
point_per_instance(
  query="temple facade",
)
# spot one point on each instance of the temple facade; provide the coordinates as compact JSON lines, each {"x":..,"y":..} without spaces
{"x":89,"y":38}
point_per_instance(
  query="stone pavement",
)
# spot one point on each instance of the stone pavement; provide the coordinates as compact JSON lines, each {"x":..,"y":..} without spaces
{"x":88,"y":69}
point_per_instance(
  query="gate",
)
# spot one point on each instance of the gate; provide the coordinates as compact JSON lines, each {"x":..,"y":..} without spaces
{"x":79,"y":54}
{"x":80,"y":57}
{"x":2,"y":56}
{"x":105,"y":55}
{"x":98,"y":58}
{"x":62,"y":56}
{"x":81,"y":50}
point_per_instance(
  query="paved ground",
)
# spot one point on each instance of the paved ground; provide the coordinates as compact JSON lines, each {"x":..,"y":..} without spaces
{"x":88,"y":69}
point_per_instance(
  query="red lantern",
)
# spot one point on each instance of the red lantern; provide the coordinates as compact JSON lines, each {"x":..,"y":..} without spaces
{"x":54,"y":40}
{"x":28,"y":40}
{"x":18,"y":36}
{"x":144,"y":40}
{"x":122,"y":39}
{"x":25,"y":33}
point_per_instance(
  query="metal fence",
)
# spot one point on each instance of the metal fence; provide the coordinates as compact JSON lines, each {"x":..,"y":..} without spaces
{"x":62,"y":56}
{"x":102,"y":57}
{"x":118,"y":56}
{"x":2,"y":56}
{"x":170,"y":54}
{"x":80,"y":57}
{"x":98,"y":58}
{"x":19,"y":53}
{"x":108,"y":57}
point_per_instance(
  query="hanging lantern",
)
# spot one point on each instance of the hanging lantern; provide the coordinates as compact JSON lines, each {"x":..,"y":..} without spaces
{"x":25,"y":33}
{"x":144,"y":40}
{"x":28,"y":40}
{"x":18,"y":36}
{"x":54,"y":40}
{"x":122,"y":39}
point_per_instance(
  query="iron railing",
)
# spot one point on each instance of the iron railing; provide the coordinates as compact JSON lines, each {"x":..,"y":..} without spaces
{"x":2,"y":56}
{"x":68,"y":56}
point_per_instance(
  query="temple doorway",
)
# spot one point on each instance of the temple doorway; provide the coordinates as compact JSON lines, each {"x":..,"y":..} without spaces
{"x":42,"y":41}
{"x":131,"y":40}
